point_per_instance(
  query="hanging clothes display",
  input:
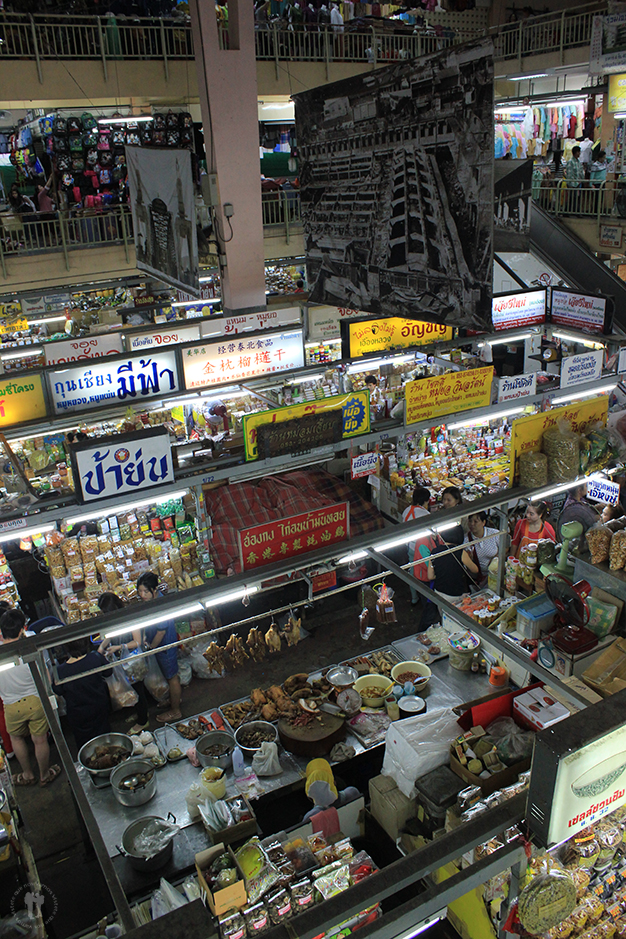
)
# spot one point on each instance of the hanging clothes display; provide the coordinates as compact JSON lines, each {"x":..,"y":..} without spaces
{"x":532,"y":131}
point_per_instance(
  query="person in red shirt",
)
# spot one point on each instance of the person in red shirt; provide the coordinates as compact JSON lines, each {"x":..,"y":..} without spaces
{"x":532,"y":528}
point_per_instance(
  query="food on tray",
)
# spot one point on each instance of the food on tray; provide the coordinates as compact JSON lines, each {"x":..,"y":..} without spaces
{"x":106,"y":757}
{"x":255,"y":737}
{"x":189,"y":731}
{"x":238,"y":714}
{"x":175,"y":753}
{"x":295,"y":681}
{"x":258,"y":698}
{"x":376,"y":663}
{"x":413,"y":677}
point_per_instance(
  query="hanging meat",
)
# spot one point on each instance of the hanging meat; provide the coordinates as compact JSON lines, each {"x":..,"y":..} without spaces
{"x":291,"y":632}
{"x":236,"y":651}
{"x":256,"y":644}
{"x":272,"y":638}
{"x":215,"y":658}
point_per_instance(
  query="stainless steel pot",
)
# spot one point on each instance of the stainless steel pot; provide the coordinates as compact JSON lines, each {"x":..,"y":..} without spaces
{"x":137,"y":861}
{"x":118,"y":740}
{"x":215,"y":738}
{"x":141,"y":794}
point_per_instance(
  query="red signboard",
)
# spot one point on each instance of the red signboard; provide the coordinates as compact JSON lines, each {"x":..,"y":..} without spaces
{"x":324,"y":581}
{"x":289,"y":537}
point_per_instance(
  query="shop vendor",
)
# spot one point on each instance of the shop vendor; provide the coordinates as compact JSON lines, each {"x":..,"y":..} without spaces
{"x":164,"y":634}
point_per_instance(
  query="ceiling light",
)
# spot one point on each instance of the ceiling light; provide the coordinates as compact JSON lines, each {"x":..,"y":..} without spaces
{"x":172,"y":613}
{"x":506,"y":339}
{"x":27,"y":532}
{"x":140,"y":118}
{"x":233,"y":595}
{"x":485,"y":418}
{"x":601,"y":389}
{"x":6,"y":665}
{"x":564,"y":487}
{"x":524,"y":78}
{"x":46,"y":433}
{"x":445,"y":526}
{"x":48,"y":319}
{"x":103,"y":512}
{"x":570,"y":337}
{"x":355,"y":556}
{"x":25,"y":350}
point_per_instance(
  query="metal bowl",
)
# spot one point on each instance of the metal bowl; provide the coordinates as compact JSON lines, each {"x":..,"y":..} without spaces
{"x":342,"y":677}
{"x":220,"y":737}
{"x":141,"y":794}
{"x":118,"y":740}
{"x":255,"y":725}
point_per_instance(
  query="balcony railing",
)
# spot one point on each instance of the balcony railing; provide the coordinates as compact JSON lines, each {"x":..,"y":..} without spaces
{"x":605,"y":202}
{"x":42,"y":37}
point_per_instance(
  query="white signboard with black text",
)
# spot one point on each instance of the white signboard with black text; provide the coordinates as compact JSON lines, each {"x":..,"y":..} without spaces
{"x":324,"y":321}
{"x":239,"y":359}
{"x":518,"y":309}
{"x":75,"y":350}
{"x":515,"y":387}
{"x":124,"y":464}
{"x":603,"y":490}
{"x":161,"y":338}
{"x":578,"y":369}
{"x":123,"y":381}
{"x":577,"y":310}
{"x":251,"y":322}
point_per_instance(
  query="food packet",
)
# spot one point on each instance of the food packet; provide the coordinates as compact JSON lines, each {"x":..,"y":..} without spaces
{"x":599,"y":542}
{"x":259,"y":873}
{"x":233,"y":927}
{"x":546,"y":901}
{"x":333,"y":883}
{"x":279,"y":906}
{"x":617,"y":553}
{"x":562,"y":447}
{"x":301,"y":895}
{"x":257,"y":919}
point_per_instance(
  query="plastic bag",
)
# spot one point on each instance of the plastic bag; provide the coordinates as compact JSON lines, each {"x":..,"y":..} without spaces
{"x":385,"y":609}
{"x":417,"y":745}
{"x":546,"y":901}
{"x":171,"y":897}
{"x":185,"y":673}
{"x":265,"y":761}
{"x":513,"y":744}
{"x":562,"y":447}
{"x":120,"y":690}
{"x":155,"y":682}
{"x":215,"y":815}
{"x":155,"y":836}
{"x":204,"y":789}
{"x":260,"y":874}
{"x":599,"y":542}
{"x":135,"y":668}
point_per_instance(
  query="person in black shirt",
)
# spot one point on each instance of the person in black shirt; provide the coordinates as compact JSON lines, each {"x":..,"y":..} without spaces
{"x":87,"y":697}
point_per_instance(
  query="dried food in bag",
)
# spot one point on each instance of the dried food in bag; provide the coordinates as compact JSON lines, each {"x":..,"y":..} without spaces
{"x":581,"y":880}
{"x":259,"y":872}
{"x":562,"y":931}
{"x":617,"y":555}
{"x":599,"y":543}
{"x":609,"y":837}
{"x":279,"y":906}
{"x":256,"y":918}
{"x":561,"y":445}
{"x":578,"y":919}
{"x":233,"y":927}
{"x":533,"y":470}
{"x":333,"y":883}
{"x":586,"y":849}
{"x":546,"y":901}
{"x":593,"y":907}
{"x":301,"y":895}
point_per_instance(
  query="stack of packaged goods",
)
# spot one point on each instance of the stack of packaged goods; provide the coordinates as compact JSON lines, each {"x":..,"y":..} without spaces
{"x":8,"y":588}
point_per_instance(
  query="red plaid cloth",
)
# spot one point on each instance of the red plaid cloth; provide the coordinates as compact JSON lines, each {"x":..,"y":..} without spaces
{"x":243,"y":505}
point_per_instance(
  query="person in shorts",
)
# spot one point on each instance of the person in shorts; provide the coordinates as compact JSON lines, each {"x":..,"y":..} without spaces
{"x":23,"y":711}
{"x":163,"y":634}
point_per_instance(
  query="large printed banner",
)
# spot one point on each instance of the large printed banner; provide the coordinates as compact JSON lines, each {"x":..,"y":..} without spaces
{"x":608,"y":50}
{"x":164,"y":215}
{"x":167,"y":336}
{"x":122,"y":464}
{"x":234,"y":360}
{"x":289,"y":537}
{"x":355,"y":410}
{"x":104,"y":383}
{"x":251,"y":322}
{"x":392,"y":333}
{"x":528,"y":431}
{"x":21,"y":399}
{"x":447,"y":394}
{"x":518,"y":309}
{"x":578,"y":311}
{"x":75,"y":350}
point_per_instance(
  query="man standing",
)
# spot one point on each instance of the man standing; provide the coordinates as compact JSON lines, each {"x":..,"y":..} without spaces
{"x":421,"y":546}
{"x":574,"y":177}
{"x":23,"y":710}
{"x":163,"y":634}
{"x":336,"y":21}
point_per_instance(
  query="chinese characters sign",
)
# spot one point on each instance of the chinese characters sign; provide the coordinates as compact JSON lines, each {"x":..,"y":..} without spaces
{"x":298,"y":534}
{"x":447,"y":394}
{"x":129,"y":381}
{"x":393,"y":333}
{"x":518,"y":309}
{"x":123,"y":464}
{"x":77,"y":349}
{"x":355,"y":416}
{"x":21,"y":399}
{"x":214,"y":363}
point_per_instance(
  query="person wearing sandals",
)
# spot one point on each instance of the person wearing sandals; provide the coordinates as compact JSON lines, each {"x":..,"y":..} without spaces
{"x":23,"y":710}
{"x":86,"y":696}
{"x":162,"y":635}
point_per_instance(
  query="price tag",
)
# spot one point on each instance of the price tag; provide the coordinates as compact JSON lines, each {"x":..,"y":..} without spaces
{"x":610,"y":879}
{"x":603,"y":490}
{"x":598,"y":890}
{"x":614,"y":910}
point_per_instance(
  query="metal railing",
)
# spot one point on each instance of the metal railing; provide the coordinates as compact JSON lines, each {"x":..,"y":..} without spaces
{"x":281,"y":210}
{"x":584,"y":201}
{"x":42,"y":37}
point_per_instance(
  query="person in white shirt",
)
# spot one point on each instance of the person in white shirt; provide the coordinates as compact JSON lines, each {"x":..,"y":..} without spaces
{"x":420,"y":501}
{"x":23,"y":711}
{"x":336,"y":19}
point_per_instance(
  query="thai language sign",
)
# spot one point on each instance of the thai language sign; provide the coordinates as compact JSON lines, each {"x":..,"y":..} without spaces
{"x":129,"y":381}
{"x":519,"y":386}
{"x":527,"y":432}
{"x":355,"y":415}
{"x":577,"y":310}
{"x":214,"y":363}
{"x":447,"y":394}
{"x":123,"y":464}
{"x":518,"y":309}
{"x":299,"y":435}
{"x":363,"y":465}
{"x":266,"y":319}
{"x":603,"y":490}
{"x":75,"y":350}
{"x":394,"y":332}
{"x":289,"y":537}
{"x":161,"y":338}
{"x":577,"y":369}
{"x":21,"y":399}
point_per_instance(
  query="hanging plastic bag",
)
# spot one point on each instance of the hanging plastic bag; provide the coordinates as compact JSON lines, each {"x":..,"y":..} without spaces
{"x":172,"y":898}
{"x":364,"y":628}
{"x":135,"y":668}
{"x":154,"y":681}
{"x":120,"y":690}
{"x":265,"y":761}
{"x":385,"y":609}
{"x":185,"y":673}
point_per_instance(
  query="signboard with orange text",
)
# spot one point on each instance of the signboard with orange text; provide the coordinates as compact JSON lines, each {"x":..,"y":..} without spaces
{"x":394,"y":332}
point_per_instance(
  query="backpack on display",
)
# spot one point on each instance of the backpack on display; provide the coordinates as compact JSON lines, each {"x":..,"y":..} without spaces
{"x":88,"y":121}
{"x":104,"y":142}
{"x":105,"y":177}
{"x":74,"y":125}
{"x":59,"y":126}
{"x":76,"y":144}
{"x":105,"y":158}
{"x":78,"y":165}
{"x":49,"y":145}
{"x":119,"y":157}
{"x":45,"y":125}
{"x":62,"y":162}
{"x":119,"y":138}
{"x":185,"y":120}
{"x":159,"y":138}
{"x":60,"y":144}
{"x":145,"y":132}
{"x":4,"y":143}
{"x":173,"y":138}
{"x":159,"y":121}
{"x":30,"y":157}
{"x":92,"y":157}
{"x":132,"y":139}
{"x":107,"y":198}
{"x":90,"y":140}
{"x":67,"y":181}
{"x":104,"y":129}
{"x":25,"y":137}
{"x":171,"y":120}
{"x":186,"y":138}
{"x":118,"y":173}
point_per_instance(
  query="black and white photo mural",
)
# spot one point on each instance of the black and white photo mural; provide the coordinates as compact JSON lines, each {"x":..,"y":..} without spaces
{"x":396,"y":176}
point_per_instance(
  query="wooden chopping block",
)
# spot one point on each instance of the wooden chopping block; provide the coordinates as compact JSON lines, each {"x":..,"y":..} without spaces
{"x":315,"y":739}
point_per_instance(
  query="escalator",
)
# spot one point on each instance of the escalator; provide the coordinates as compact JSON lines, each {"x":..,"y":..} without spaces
{"x":574,"y":262}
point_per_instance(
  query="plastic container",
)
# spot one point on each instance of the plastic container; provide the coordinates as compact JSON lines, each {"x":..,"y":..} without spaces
{"x":238,"y":762}
{"x":462,"y":647}
{"x":535,"y":616}
{"x":411,"y":705}
{"x":498,"y":676}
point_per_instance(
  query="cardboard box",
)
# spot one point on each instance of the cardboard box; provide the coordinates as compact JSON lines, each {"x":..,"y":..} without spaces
{"x":539,"y":709}
{"x":238,"y":832}
{"x":231,"y":897}
{"x":389,"y":806}
{"x":607,"y":674}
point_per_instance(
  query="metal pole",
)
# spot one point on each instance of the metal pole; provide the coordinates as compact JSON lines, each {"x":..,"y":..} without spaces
{"x":62,"y":224}
{"x":125,"y":236}
{"x":2,"y":261}
{"x":102,"y":49}
{"x":286,"y":210}
{"x":327,"y":52}
{"x":165,"y":61}
{"x":36,"y":48}
{"x":562,"y":43}
{"x":275,"y":41}
{"x":503,"y":549}
{"x":117,"y":893}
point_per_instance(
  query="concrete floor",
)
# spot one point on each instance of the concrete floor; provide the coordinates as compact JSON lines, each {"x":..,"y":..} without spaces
{"x":50,"y":815}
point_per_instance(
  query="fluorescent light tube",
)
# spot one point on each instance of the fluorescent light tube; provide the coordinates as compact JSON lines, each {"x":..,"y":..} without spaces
{"x":553,"y":490}
{"x":157,"y":618}
{"x":355,"y":556}
{"x":48,"y":319}
{"x":445,"y":526}
{"x":4,"y":666}
{"x":140,"y":118}
{"x":46,"y":433}
{"x":234,"y":595}
{"x":27,"y":532}
{"x":523,"y":78}
{"x":570,"y":337}
{"x":25,"y":350}
{"x":189,"y":302}
{"x":483,"y":419}
{"x":103,"y":511}
{"x":517,"y":337}
{"x":601,"y":389}
{"x":364,"y":365}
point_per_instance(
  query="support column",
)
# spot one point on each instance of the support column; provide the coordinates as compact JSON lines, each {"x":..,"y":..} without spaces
{"x":227,"y":83}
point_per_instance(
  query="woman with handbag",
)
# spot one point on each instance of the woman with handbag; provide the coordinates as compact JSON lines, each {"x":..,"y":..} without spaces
{"x":110,"y":603}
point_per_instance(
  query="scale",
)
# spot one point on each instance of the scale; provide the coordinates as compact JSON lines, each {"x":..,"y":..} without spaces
{"x":572,"y":617}
{"x":569,"y":531}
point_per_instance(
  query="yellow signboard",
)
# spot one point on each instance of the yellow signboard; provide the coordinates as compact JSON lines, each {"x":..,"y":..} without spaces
{"x":528,"y":431}
{"x":21,"y":399}
{"x":394,"y":332}
{"x":448,"y":394}
{"x":11,"y":320}
{"x":617,"y":92}
{"x":355,"y":414}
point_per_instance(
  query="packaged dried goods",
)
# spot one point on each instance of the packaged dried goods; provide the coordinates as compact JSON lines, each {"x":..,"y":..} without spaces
{"x":562,"y":931}
{"x":609,"y":836}
{"x":599,"y":542}
{"x":533,"y":470}
{"x":594,"y":908}
{"x":581,"y":879}
{"x":300,"y":855}
{"x":259,"y":872}
{"x":233,"y":927}
{"x":257,"y":919}
{"x":279,"y":906}
{"x":586,"y":849}
{"x":578,"y":919}
{"x":301,"y":895}
{"x":546,"y":901}
{"x":562,"y":448}
{"x":361,"y":866}
{"x":336,"y":881}
{"x":617,"y":555}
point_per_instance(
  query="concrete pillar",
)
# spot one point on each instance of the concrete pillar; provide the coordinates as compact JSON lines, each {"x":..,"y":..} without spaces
{"x":227,"y":83}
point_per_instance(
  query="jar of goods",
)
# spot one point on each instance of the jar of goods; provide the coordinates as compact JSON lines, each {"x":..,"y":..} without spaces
{"x":531,"y":556}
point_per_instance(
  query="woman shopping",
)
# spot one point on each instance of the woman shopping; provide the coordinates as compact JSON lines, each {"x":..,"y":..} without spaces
{"x":483,"y":547}
{"x":532,"y":528}
{"x":111,"y":603}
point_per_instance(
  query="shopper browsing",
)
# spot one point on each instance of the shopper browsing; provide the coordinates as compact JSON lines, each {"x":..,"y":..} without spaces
{"x":164,"y":634}
{"x":483,"y":547}
{"x":87,"y":696}
{"x":577,"y":509}
{"x":532,"y":528}
{"x":447,"y":569}
{"x":23,"y":710}
{"x":110,"y":603}
{"x":420,"y":548}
